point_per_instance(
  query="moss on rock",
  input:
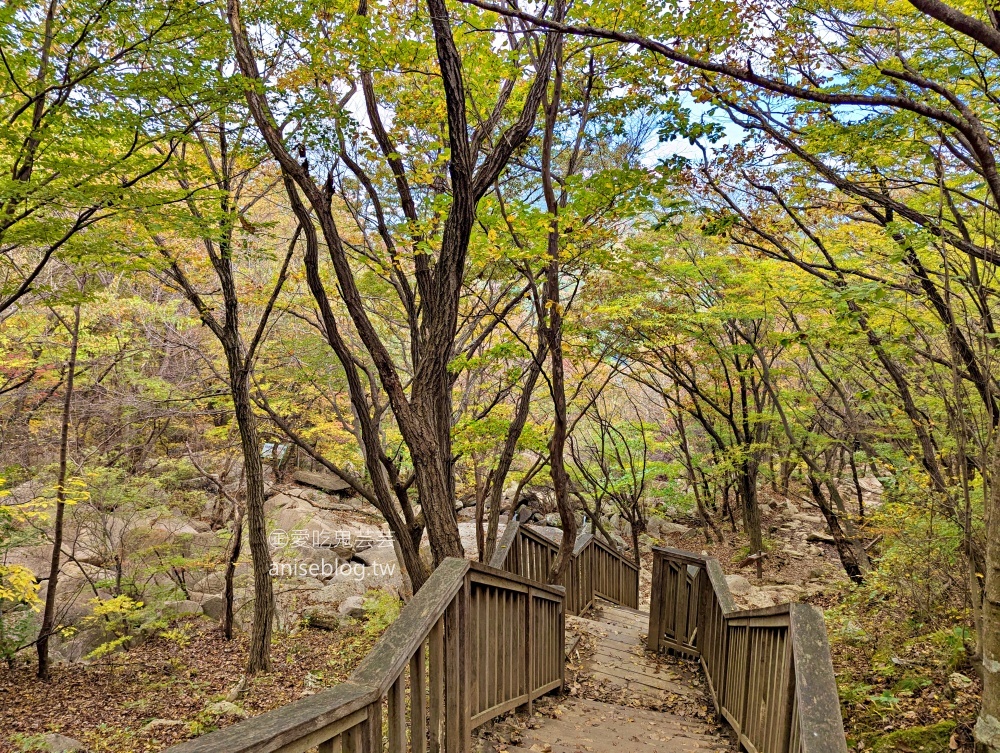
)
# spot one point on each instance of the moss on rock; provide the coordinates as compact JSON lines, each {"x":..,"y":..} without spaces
{"x":932,"y":739}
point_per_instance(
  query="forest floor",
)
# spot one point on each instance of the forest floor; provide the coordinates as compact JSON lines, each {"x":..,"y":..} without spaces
{"x":168,"y":689}
{"x":905,"y":681}
{"x":906,"y":684}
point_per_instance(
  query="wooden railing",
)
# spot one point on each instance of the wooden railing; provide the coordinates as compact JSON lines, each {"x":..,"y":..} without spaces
{"x":471,"y":645}
{"x":769,"y":670}
{"x":595,"y":570}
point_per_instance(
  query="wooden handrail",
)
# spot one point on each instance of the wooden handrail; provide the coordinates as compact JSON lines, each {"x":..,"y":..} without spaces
{"x":472,"y":644}
{"x":595,"y":570}
{"x":769,"y":670}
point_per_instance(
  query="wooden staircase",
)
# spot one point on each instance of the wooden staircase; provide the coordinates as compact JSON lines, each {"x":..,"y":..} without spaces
{"x":624,"y":698}
{"x":477,"y":642}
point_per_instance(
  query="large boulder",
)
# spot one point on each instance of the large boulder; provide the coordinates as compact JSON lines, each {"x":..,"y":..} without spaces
{"x":182,"y":607}
{"x":660,"y":527}
{"x":213,"y":583}
{"x":322,"y":617}
{"x":820,"y":536}
{"x":738,"y":585}
{"x":337,"y":590}
{"x":214,"y":607}
{"x":353,"y":606}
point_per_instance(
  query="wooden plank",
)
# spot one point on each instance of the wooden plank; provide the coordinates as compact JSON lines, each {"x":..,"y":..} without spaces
{"x":821,"y":726}
{"x":326,"y":736}
{"x":452,"y":678}
{"x":464,"y":658}
{"x":374,"y":726}
{"x":284,"y":726}
{"x":436,"y":686}
{"x":529,"y":648}
{"x":397,"y":716}
{"x":418,"y":701}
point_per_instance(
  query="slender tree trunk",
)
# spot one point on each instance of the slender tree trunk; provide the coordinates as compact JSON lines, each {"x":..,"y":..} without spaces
{"x":857,"y":487}
{"x":498,"y":475}
{"x":710,"y":526}
{"x":747,"y":486}
{"x":987,"y":731}
{"x":845,"y":550}
{"x":259,"y":659}
{"x":234,"y":555}
{"x":49,"y":613}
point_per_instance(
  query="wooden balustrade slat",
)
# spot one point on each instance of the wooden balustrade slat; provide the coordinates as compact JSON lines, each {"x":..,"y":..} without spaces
{"x":418,"y":700}
{"x":397,"y":716}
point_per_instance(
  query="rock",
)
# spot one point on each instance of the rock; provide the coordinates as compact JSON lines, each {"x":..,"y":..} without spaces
{"x":806,"y":518}
{"x":55,"y":743}
{"x":159,"y":723}
{"x":931,"y":739}
{"x":379,"y":554}
{"x":660,"y":527}
{"x":645,"y":543}
{"x":322,"y":618}
{"x":324,"y":481}
{"x":182,"y":607}
{"x":317,"y":562}
{"x":225,"y":708}
{"x":758,"y":600}
{"x":238,"y":690}
{"x":81,"y":644}
{"x":793,"y":552}
{"x":352,"y":606}
{"x":337,"y":590}
{"x":278,"y":501}
{"x":553,"y":520}
{"x":207,"y":542}
{"x":738,"y":585}
{"x":958,"y":681}
{"x":213,"y":583}
{"x":214,"y":607}
{"x":308,"y":584}
{"x":820,"y":536}
{"x":467,"y":513}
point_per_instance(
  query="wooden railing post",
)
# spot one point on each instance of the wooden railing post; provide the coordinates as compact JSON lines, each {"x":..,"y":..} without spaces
{"x":655,"y":604}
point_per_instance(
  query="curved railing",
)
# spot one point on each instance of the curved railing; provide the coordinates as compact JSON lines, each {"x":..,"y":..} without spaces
{"x":472,"y":644}
{"x":595,"y":570}
{"x":769,"y":670}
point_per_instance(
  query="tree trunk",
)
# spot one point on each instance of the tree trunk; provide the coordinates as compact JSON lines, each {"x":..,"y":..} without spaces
{"x":498,"y":475}
{"x":259,"y":659}
{"x":552,"y":321}
{"x":747,"y":486}
{"x":49,"y":613}
{"x":234,"y":555}
{"x":987,"y":731}
{"x":845,"y":550}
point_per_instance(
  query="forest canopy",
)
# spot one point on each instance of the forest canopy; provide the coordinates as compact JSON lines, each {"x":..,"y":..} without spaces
{"x":718,"y":275}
